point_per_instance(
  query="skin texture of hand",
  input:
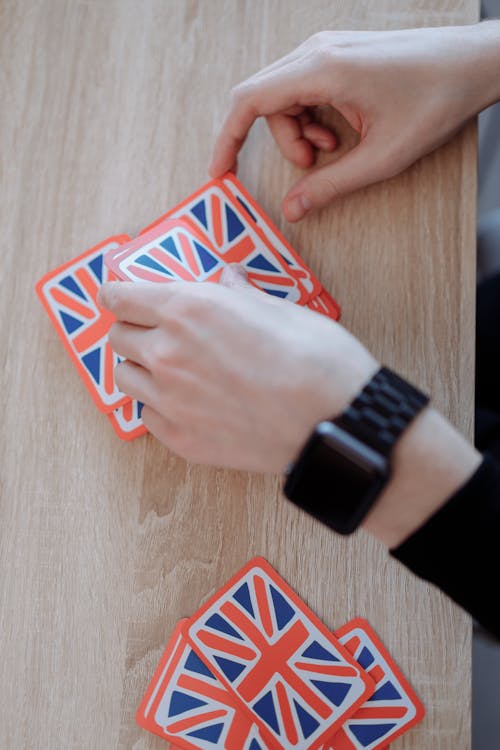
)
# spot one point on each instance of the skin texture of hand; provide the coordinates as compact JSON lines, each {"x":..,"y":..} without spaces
{"x":231,"y":376}
{"x":404,"y":92}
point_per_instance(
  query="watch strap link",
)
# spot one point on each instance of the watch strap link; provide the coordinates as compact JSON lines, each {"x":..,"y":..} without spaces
{"x":382,"y":411}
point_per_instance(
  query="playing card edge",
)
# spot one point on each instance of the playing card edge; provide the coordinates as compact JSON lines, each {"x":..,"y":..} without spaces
{"x":372,"y":634}
{"x":39,"y":290}
{"x":123,"y":434}
{"x":120,"y":239}
{"x":218,"y":184}
{"x":152,"y":235}
{"x":153,"y":683}
{"x":261,"y":563}
{"x":364,"y":625}
{"x":89,"y":387}
{"x":230,"y":177}
{"x":332,"y":301}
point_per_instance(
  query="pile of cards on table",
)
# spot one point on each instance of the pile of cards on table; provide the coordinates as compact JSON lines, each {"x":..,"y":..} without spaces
{"x":219,"y":224}
{"x":255,"y":669}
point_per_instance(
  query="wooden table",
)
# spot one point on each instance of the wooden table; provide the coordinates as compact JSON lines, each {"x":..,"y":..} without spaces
{"x":109,"y":111}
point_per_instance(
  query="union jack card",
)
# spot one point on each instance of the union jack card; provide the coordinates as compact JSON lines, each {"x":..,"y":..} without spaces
{"x":188,"y":706}
{"x":265,"y":226}
{"x":217,"y":214}
{"x":127,"y":422}
{"x":68,"y":294}
{"x":291,"y":674}
{"x":391,"y":710}
{"x":172,"y":251}
{"x":325,"y":304}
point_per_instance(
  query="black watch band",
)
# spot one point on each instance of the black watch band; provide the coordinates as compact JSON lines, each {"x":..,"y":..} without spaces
{"x":382,"y":411}
{"x":345,"y":464}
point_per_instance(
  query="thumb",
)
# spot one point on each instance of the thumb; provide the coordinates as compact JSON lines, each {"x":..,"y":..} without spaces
{"x":359,"y":167}
{"x":235,"y":276}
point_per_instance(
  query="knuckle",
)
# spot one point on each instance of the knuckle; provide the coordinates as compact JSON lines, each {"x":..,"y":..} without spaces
{"x":113,"y":297}
{"x":325,"y":55}
{"x":320,"y":38}
{"x":167,"y":358}
{"x":240,"y":92}
{"x":183,"y":307}
{"x":157,"y":356}
{"x":327,"y":188}
{"x":243,"y":96}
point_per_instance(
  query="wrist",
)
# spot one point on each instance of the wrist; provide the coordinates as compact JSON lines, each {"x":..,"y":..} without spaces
{"x":430,"y":462}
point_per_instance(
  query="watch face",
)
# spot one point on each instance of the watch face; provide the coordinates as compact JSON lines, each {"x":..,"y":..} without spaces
{"x":337,"y":479}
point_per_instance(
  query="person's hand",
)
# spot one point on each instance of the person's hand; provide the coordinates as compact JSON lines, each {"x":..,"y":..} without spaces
{"x":404,"y":92}
{"x":231,"y":376}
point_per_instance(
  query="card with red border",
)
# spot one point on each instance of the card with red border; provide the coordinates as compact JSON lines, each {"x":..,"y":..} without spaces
{"x":326,"y":305}
{"x":264,"y":224}
{"x":68,"y":294}
{"x":290,"y":673}
{"x":227,"y":225}
{"x":127,"y":421}
{"x":188,"y":706}
{"x":391,"y":710}
{"x":172,"y":251}
{"x":175,"y":250}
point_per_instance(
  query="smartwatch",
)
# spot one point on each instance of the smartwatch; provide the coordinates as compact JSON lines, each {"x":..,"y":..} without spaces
{"x":346,"y":462}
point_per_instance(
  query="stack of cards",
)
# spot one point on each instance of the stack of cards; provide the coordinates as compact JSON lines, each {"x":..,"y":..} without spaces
{"x":69,"y":296}
{"x":217,"y":225}
{"x":254,"y":669}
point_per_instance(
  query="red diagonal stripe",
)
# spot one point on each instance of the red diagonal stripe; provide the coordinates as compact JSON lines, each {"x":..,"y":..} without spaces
{"x":286,"y":713}
{"x":173,"y":265}
{"x":384,"y":712}
{"x":352,"y":644}
{"x":339,"y":671}
{"x":213,"y":691}
{"x":219,"y":643}
{"x":268,"y":279}
{"x":184,"y":724}
{"x":238,"y":252}
{"x":64,"y":299}
{"x":273,"y":660}
{"x":263,"y":604}
{"x":189,"y":254}
{"x":217,"y":220}
{"x":376,"y":673}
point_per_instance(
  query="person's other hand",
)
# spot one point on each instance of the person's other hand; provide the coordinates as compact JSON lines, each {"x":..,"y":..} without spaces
{"x":404,"y":92}
{"x":231,"y":376}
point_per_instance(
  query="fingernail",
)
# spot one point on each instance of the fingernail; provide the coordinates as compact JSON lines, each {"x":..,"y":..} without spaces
{"x":297,"y":207}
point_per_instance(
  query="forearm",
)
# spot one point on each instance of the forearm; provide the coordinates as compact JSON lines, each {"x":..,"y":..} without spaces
{"x":430,"y":462}
{"x":479,"y":66}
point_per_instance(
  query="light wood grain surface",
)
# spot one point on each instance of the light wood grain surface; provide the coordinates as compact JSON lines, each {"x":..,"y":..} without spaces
{"x":108,"y":113}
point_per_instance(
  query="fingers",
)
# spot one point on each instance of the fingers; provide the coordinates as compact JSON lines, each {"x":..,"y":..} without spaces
{"x":131,"y":342}
{"x":281,"y":89}
{"x":358,"y":168}
{"x":136,"y":382}
{"x":287,"y":132}
{"x":298,"y":136}
{"x":135,"y":303}
{"x":320,"y":136}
